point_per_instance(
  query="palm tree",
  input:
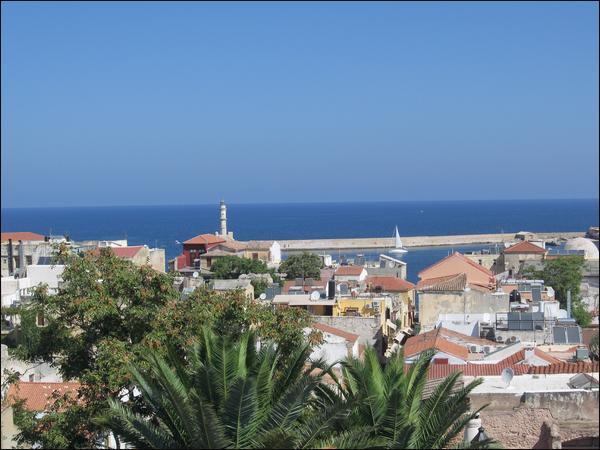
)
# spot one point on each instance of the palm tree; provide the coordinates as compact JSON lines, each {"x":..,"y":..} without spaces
{"x":388,"y":409}
{"x":224,"y":394}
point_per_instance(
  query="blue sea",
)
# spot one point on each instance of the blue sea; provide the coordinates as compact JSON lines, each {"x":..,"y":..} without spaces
{"x":162,"y":226}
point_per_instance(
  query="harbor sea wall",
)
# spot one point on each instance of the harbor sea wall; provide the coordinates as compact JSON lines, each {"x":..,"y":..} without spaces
{"x":412,"y":241}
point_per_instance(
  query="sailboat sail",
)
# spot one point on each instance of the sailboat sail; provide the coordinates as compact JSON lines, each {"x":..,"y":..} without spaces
{"x":398,"y":248}
{"x":398,"y":240}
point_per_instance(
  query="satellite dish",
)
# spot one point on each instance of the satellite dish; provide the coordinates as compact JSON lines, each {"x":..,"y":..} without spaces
{"x":507,"y":376}
{"x":195,"y":274}
{"x":263,"y":296}
{"x":315,"y":295}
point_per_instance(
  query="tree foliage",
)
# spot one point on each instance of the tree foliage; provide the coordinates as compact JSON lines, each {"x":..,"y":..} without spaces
{"x":109,"y":312}
{"x":231,"y":267}
{"x":389,"y":408}
{"x":565,"y":274}
{"x":228,"y":394}
{"x":306,"y":265}
{"x":224,"y":394}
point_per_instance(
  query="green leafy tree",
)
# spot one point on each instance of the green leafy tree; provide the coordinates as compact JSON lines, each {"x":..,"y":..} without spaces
{"x":306,"y":265}
{"x":581,"y":314}
{"x":108,"y":313}
{"x":231,"y":267}
{"x":223,"y":395}
{"x":260,"y":286}
{"x":563,"y":274}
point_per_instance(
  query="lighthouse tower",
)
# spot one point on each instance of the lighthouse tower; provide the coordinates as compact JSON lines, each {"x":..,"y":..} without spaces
{"x":223,"y":218}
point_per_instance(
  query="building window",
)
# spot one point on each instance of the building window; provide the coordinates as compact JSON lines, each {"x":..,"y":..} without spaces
{"x":28,"y":260}
{"x":254,"y":255}
{"x":31,"y":378}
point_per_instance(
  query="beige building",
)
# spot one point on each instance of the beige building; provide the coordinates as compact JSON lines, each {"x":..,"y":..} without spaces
{"x":452,"y":294}
{"x":232,"y":285}
{"x":268,"y":252}
{"x":403,"y":294}
{"x":515,"y":258}
{"x":140,"y":255}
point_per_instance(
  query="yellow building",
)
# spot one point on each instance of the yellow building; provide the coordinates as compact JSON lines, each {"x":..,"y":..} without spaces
{"x":366,"y":307}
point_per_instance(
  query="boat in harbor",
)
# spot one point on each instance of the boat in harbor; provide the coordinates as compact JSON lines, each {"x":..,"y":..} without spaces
{"x":398,"y":247}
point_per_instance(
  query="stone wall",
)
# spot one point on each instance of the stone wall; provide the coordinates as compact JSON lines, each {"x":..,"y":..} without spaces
{"x":432,"y":304}
{"x":530,"y":420}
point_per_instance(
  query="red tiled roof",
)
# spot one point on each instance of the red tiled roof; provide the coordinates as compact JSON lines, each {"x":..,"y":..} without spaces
{"x":565,"y":367}
{"x":524,"y":247}
{"x":38,"y":395}
{"x":482,"y":370}
{"x":205,"y":239}
{"x":126,"y":252}
{"x":456,"y":282}
{"x":432,"y":340}
{"x":351,"y":337}
{"x":21,"y":236}
{"x":472,"y":370}
{"x":349,"y":270}
{"x":390,"y":284}
{"x":120,"y":252}
{"x":459,"y":256}
{"x":519,"y":357}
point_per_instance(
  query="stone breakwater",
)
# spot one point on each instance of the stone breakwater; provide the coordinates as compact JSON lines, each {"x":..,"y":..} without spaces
{"x":413,"y":241}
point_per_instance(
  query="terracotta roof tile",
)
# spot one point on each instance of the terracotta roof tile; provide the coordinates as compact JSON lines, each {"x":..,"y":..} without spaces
{"x":351,"y":337}
{"x":524,"y":247}
{"x":390,"y":284}
{"x":205,"y":239}
{"x":21,"y":236}
{"x":433,"y":340}
{"x":120,"y":252}
{"x":463,"y":259}
{"x":565,"y":367}
{"x":38,"y":395}
{"x":456,"y":282}
{"x":349,"y":270}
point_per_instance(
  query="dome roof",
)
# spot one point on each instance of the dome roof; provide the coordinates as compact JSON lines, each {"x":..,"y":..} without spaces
{"x":589,"y":248}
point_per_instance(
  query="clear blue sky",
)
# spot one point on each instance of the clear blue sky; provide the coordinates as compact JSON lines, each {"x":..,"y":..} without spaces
{"x":123,"y":104}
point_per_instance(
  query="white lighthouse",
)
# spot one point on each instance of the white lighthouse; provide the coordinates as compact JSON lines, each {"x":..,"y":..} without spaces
{"x":223,"y":218}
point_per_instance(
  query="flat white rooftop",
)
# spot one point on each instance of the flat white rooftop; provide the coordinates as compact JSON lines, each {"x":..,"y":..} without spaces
{"x":526,"y":383}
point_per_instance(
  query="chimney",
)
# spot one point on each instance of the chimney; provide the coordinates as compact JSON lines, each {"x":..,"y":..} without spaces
{"x":568,"y":304}
{"x":22,"y":267}
{"x":11,"y":262}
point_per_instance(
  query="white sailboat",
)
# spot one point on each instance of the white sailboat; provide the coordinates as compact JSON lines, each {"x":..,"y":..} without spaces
{"x":398,"y":248}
